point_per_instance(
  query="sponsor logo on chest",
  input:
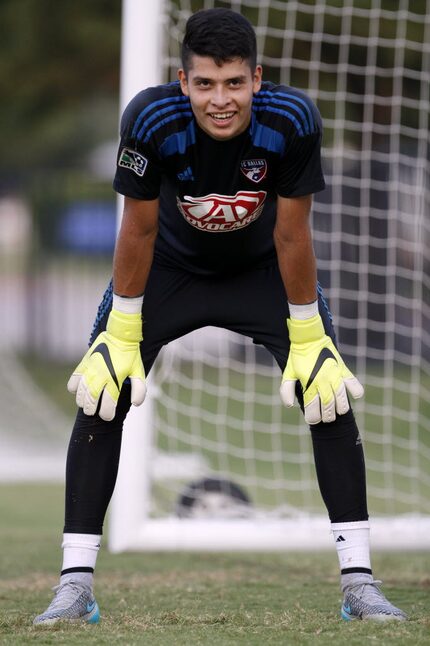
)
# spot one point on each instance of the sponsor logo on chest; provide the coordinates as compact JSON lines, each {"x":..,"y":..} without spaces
{"x":254,"y":169}
{"x":221,"y":213}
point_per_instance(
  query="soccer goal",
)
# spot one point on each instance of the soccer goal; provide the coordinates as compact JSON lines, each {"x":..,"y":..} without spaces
{"x":212,"y":461}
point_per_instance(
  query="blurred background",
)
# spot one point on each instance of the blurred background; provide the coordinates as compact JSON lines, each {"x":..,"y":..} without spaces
{"x":366,"y":64}
{"x":59,"y":79}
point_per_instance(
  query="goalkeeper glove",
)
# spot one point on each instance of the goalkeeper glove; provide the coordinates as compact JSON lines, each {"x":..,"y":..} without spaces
{"x":114,"y":356}
{"x":315,"y":362}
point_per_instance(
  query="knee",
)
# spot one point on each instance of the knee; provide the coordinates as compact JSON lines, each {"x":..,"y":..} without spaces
{"x":94,"y":424}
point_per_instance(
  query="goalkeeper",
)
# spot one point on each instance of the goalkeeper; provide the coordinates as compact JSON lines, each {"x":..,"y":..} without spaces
{"x":218,"y":171}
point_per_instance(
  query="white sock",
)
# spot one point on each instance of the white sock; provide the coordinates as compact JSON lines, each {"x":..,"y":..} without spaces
{"x":353,"y":546}
{"x":80,"y":553}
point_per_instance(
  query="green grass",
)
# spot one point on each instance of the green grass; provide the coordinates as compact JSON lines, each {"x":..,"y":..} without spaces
{"x":184,"y":599}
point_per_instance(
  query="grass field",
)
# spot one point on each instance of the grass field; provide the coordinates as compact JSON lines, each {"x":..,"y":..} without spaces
{"x":193,"y":599}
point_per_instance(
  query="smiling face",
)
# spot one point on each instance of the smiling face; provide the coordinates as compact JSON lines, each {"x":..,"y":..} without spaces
{"x":221,"y":96}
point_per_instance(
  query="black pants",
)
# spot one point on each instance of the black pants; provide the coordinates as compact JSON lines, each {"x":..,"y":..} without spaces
{"x":254,"y":304}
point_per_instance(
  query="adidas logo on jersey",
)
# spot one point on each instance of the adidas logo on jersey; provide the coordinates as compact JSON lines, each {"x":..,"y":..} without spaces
{"x":186,"y":175}
{"x":340,"y":539}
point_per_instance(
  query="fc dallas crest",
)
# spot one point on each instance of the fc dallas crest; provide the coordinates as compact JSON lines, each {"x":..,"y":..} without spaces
{"x":254,"y":169}
{"x":220,"y":213}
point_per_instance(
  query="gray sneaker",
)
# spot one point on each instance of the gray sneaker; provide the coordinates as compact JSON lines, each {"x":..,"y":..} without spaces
{"x":364,"y":600}
{"x":72,"y":602}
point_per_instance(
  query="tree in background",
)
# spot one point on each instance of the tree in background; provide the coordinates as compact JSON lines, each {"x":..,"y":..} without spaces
{"x":59,"y":79}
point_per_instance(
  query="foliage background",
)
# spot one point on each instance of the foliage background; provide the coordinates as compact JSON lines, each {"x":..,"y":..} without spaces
{"x":59,"y":73}
{"x":59,"y":79}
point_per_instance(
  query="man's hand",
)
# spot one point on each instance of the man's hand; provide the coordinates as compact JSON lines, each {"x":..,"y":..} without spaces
{"x":315,"y":362}
{"x":114,"y":356}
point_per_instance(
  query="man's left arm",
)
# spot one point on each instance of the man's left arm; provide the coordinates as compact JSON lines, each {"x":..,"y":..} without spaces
{"x":293,"y":242}
{"x":313,"y":359}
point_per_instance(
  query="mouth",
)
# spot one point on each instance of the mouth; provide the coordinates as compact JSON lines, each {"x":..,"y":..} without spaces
{"x":222,"y":119}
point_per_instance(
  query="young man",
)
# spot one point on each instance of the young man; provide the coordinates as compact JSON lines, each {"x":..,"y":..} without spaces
{"x":218,"y":172}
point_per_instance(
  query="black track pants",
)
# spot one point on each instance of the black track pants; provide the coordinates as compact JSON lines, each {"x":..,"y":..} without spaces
{"x":254,"y":304}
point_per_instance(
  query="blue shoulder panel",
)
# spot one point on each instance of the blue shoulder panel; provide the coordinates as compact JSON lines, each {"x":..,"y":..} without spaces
{"x":265,"y":137}
{"x":158,"y":116}
{"x":178,"y":142}
{"x":291,"y":105}
{"x":179,"y":115}
{"x":161,"y":106}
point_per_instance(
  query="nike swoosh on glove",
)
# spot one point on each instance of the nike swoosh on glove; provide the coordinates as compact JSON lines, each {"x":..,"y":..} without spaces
{"x":324,"y":377}
{"x":114,"y":356}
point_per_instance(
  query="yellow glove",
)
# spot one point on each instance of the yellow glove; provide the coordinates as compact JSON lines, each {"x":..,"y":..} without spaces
{"x":114,"y":356}
{"x":315,"y":362}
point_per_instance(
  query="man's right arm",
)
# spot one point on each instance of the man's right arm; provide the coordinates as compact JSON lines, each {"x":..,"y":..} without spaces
{"x":135,"y":246}
{"x":115,"y":354}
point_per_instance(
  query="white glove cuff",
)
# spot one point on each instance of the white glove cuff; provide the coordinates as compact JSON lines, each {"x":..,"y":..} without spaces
{"x":127,"y":305}
{"x":303,"y":312}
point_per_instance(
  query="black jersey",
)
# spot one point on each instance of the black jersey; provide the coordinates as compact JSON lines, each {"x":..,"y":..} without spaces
{"x":218,"y":198}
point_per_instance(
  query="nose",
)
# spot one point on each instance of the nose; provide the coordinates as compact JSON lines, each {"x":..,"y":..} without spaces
{"x":220,"y":97}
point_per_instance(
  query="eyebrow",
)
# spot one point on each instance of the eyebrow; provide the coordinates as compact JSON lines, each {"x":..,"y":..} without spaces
{"x":199,"y":79}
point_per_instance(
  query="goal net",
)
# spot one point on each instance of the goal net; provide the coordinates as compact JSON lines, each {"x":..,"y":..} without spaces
{"x":213,"y":460}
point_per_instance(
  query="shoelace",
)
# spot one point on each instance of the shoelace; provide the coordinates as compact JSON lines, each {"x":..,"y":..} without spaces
{"x":65,"y":594}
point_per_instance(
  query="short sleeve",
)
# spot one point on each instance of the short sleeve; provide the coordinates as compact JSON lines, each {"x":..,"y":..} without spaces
{"x":300,"y":172}
{"x":138,"y":172}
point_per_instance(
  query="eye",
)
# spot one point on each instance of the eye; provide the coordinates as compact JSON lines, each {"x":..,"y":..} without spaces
{"x":202,"y":83}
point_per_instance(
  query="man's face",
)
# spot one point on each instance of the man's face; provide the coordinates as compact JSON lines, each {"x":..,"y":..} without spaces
{"x":221,"y":97}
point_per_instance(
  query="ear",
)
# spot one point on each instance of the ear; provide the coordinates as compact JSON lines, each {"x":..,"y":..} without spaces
{"x":183,"y":81}
{"x":257,"y":78}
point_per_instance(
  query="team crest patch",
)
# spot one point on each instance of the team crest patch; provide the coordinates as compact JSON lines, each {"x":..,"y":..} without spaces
{"x":216,"y":213}
{"x":254,"y":169}
{"x":133,"y":160}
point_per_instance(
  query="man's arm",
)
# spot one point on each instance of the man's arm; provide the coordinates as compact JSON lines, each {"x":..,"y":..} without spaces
{"x":293,"y":242}
{"x":135,"y":246}
{"x":313,"y":359}
{"x":115,"y":354}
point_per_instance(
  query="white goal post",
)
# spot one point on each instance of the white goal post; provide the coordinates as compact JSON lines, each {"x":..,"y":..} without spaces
{"x":213,"y":413}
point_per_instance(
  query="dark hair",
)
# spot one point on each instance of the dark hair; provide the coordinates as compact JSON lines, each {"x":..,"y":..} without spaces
{"x":221,"y":34}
